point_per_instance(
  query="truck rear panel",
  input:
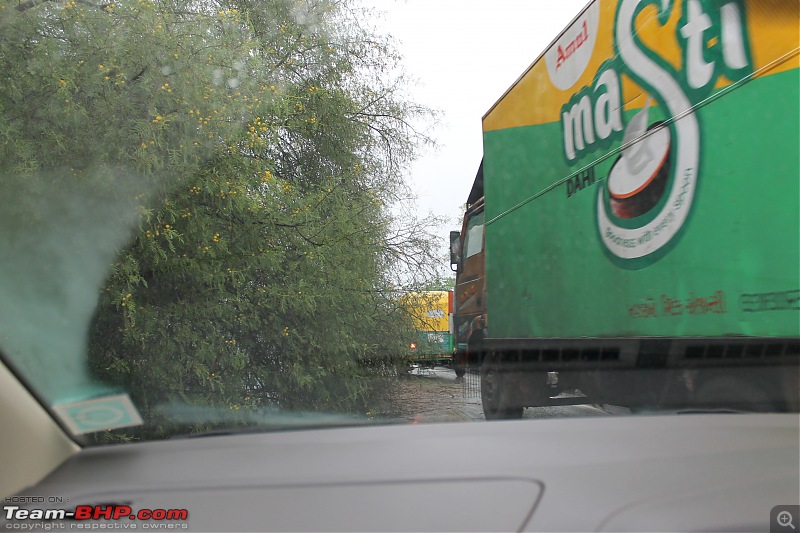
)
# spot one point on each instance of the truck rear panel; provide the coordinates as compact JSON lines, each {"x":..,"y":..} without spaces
{"x":642,"y":178}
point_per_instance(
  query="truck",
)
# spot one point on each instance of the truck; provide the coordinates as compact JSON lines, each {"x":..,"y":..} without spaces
{"x":431,"y":314}
{"x":632,"y":236}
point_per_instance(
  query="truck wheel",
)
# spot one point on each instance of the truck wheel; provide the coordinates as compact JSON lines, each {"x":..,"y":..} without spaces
{"x":494,"y":394}
{"x":460,"y":363}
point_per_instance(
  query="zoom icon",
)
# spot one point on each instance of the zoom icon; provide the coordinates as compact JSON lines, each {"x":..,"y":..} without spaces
{"x":783,"y":518}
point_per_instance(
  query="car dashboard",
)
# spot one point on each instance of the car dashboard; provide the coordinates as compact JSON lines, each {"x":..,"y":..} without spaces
{"x":693,"y":472}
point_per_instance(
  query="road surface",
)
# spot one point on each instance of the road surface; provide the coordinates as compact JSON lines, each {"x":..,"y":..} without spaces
{"x":434,"y":394}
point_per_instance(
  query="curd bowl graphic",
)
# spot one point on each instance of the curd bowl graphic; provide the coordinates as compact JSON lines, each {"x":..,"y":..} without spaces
{"x":638,"y":178}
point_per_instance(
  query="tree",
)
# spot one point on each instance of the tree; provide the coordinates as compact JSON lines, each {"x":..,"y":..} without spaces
{"x":261,"y":142}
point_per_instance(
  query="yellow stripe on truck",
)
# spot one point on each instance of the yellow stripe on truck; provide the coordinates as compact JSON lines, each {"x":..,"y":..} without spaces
{"x":535,"y":99}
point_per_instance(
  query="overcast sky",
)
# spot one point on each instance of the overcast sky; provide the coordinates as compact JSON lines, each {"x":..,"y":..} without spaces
{"x":465,"y":54}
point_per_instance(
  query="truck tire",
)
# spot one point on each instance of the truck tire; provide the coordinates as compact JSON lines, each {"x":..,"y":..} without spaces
{"x":460,"y":363}
{"x":494,"y":394}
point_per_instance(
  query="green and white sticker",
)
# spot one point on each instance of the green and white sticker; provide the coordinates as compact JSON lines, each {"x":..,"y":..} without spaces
{"x":98,"y":414}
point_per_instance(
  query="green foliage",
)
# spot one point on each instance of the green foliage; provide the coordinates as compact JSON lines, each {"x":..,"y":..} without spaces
{"x":265,"y":138}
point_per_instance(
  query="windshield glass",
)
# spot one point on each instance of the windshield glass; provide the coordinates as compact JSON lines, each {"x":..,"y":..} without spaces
{"x":474,"y":238}
{"x":225,"y":215}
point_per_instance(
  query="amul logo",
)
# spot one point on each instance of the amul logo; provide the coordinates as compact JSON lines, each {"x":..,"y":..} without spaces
{"x":564,"y":54}
{"x":651,"y":185}
{"x":569,"y":56}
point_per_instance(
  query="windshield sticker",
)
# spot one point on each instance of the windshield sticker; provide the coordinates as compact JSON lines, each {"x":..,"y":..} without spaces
{"x":98,"y":414}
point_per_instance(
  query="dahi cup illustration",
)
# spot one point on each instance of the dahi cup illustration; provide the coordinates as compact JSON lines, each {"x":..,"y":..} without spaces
{"x":638,"y":177}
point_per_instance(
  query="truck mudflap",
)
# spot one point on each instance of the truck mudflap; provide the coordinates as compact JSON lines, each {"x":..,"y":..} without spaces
{"x":679,"y":373}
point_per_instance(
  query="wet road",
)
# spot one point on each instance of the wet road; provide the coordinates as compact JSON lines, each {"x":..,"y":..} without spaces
{"x":436,"y":395}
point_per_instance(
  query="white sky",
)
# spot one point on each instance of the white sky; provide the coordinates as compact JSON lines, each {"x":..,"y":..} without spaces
{"x":465,"y":54}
